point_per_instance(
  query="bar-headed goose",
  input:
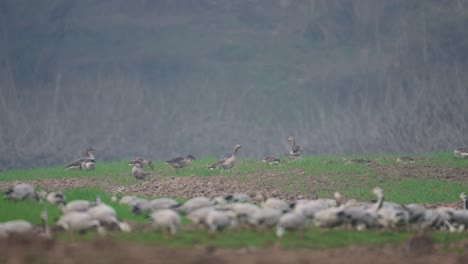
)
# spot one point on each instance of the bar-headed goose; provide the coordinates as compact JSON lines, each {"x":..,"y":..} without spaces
{"x":79,"y":222}
{"x":20,"y":192}
{"x":226,"y":164}
{"x":165,"y":219}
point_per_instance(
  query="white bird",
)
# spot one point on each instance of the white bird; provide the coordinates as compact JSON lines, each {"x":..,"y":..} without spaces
{"x":131,"y":200}
{"x":55,"y":198}
{"x":156,"y":204}
{"x":290,"y":222}
{"x":195,"y":203}
{"x":198,"y":216}
{"x":21,"y":191}
{"x":274,"y":203}
{"x":25,"y":227}
{"x":165,"y":219}
{"x":79,"y":222}
{"x":242,"y":211}
{"x":77,"y":206}
{"x":217,"y":220}
{"x":330,"y":217}
{"x":265,"y":217}
{"x":308,"y":208}
{"x":15,"y":227}
{"x":238,"y":197}
{"x":105,"y":214}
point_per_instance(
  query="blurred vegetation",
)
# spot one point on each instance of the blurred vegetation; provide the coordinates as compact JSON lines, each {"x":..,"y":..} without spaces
{"x":165,"y":78}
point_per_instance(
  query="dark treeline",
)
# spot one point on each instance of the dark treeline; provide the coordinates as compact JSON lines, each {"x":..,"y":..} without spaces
{"x":165,"y":78}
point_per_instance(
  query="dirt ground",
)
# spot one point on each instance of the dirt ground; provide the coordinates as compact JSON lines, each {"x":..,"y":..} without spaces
{"x":39,"y":250}
{"x":269,"y":183}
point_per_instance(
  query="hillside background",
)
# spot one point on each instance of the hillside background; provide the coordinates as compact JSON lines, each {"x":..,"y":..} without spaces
{"x":172,"y":77}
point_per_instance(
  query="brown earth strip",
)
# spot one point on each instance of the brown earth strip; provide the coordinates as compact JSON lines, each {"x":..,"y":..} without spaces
{"x":36,"y":250}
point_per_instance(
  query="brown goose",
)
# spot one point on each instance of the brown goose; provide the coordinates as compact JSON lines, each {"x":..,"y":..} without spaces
{"x":138,"y":172}
{"x":461,"y":153}
{"x":85,"y":163}
{"x":180,"y":162}
{"x":144,"y":162}
{"x":271,"y":160}
{"x":294,"y":150}
{"x":226,"y":164}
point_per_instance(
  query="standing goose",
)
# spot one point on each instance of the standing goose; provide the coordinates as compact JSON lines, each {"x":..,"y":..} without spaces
{"x":461,"y":153}
{"x":144,"y":162}
{"x":85,"y":163}
{"x":138,"y":172}
{"x":226,"y":164}
{"x":295,"y":150}
{"x":180,"y":162}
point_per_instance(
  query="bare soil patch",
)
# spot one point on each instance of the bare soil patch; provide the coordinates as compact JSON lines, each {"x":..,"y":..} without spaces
{"x":290,"y":186}
{"x":422,"y":172}
{"x":37,"y":250}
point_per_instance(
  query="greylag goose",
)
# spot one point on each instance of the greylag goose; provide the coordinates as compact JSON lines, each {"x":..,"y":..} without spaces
{"x":144,"y":162}
{"x":138,"y":172}
{"x":21,"y":191}
{"x":294,"y":150}
{"x":180,"y":162}
{"x":356,"y":161}
{"x":226,"y":164}
{"x":85,"y":163}
{"x":461,"y":153}
{"x":271,"y":160}
{"x":404,"y":160}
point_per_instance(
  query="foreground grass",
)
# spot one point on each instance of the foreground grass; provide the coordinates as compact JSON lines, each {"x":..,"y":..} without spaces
{"x":188,"y":236}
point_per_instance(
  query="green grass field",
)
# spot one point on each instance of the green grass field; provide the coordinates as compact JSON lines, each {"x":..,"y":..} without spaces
{"x":353,"y":181}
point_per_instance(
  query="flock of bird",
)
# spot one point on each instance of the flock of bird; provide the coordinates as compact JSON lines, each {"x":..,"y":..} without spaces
{"x":234,"y":211}
{"x":237,"y":211}
{"x":139,"y":163}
